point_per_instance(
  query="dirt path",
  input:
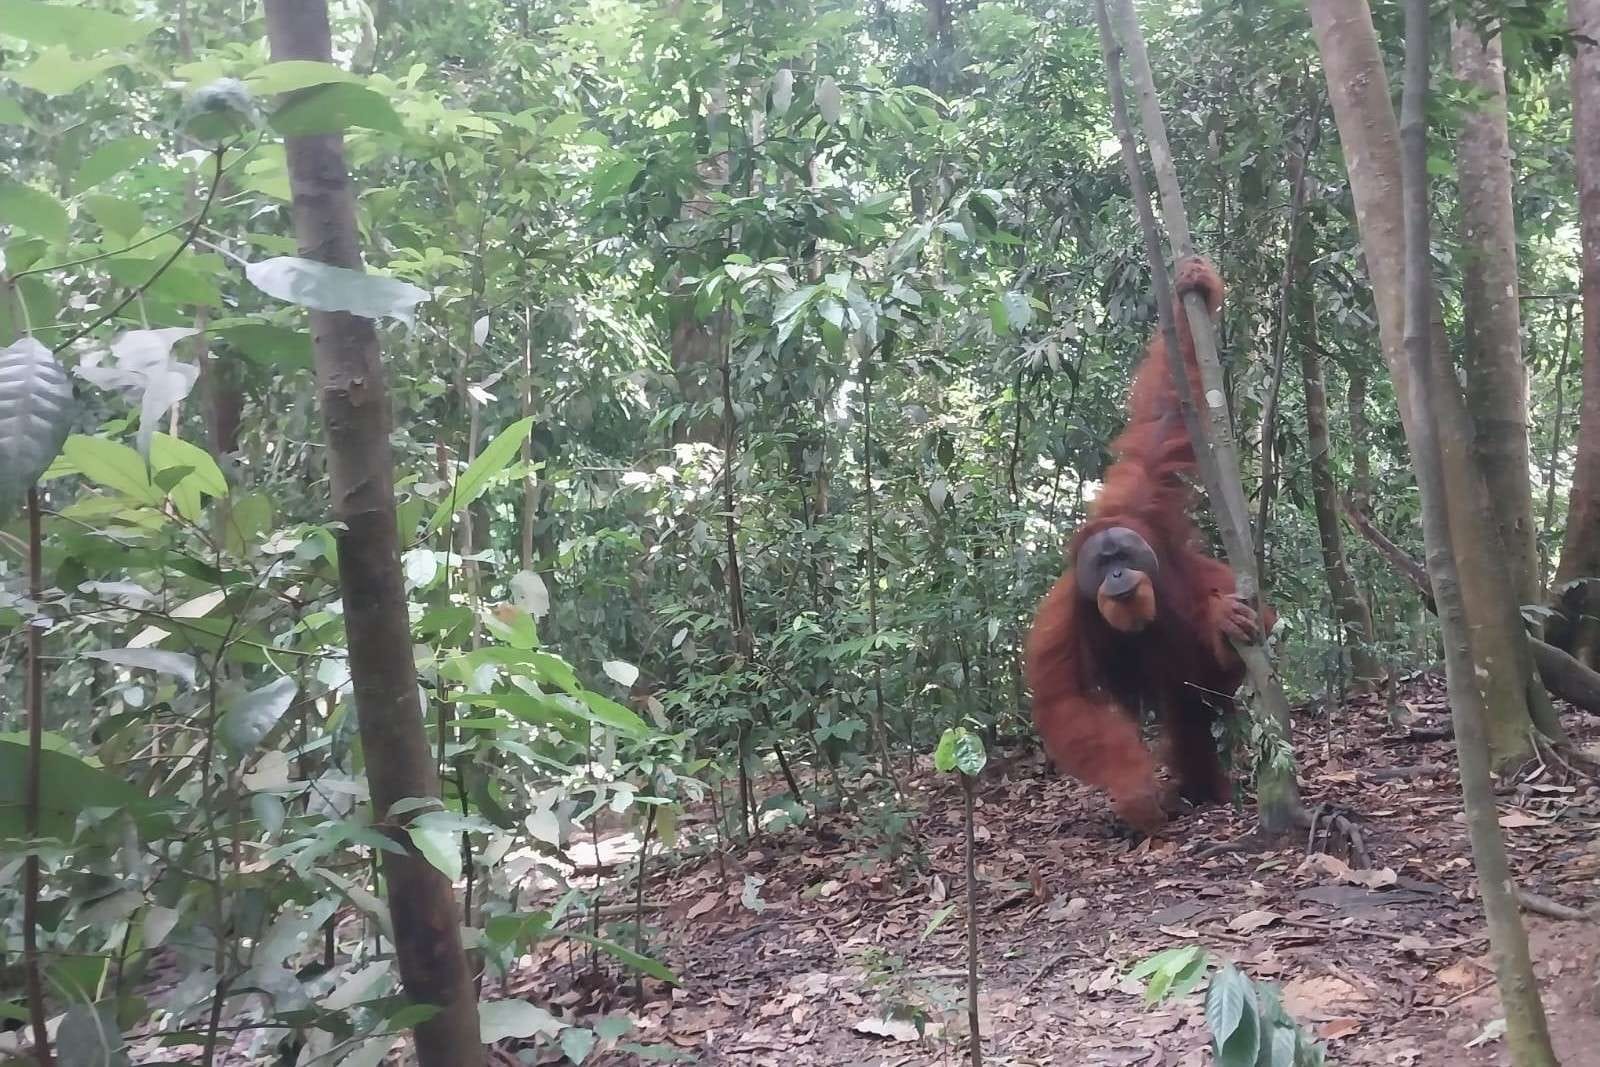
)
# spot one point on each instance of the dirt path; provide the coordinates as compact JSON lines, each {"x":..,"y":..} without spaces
{"x":795,"y":961}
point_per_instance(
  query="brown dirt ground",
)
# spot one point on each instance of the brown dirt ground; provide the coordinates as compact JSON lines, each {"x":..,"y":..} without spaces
{"x":1393,"y":972}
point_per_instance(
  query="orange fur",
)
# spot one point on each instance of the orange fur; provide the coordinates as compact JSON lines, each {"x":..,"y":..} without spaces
{"x":1092,"y":665}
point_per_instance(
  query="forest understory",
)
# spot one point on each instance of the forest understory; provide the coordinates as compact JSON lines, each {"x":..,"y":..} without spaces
{"x":1388,"y":966}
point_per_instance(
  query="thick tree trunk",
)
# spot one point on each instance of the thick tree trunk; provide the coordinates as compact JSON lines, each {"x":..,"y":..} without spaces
{"x":1497,"y":379}
{"x":1355,"y":619}
{"x":1358,"y":87}
{"x":1527,"y":1036}
{"x":1580,"y":553}
{"x":356,"y":420}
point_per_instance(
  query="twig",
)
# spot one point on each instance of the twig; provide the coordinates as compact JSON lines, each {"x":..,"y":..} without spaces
{"x":1416,"y":770}
{"x":183,"y":246}
{"x":1553,"y":909}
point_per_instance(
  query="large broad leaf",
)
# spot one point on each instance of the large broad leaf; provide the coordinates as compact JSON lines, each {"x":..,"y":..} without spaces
{"x":177,"y":664}
{"x":113,"y":465}
{"x":251,"y":716}
{"x":290,"y":74}
{"x":11,"y":113}
{"x":111,"y":159}
{"x":55,"y":71}
{"x":500,"y":1019}
{"x":829,"y":100}
{"x":1231,"y":1014}
{"x":68,"y":786}
{"x":268,"y":345}
{"x":495,"y":457}
{"x":79,"y":27}
{"x":323,"y":288}
{"x":439,"y":846}
{"x":195,"y":471}
{"x":960,"y":750}
{"x":635,"y":960}
{"x":145,"y":371}
{"x":35,"y":413}
{"x":330,"y":108}
{"x":116,"y":216}
{"x":32,"y":210}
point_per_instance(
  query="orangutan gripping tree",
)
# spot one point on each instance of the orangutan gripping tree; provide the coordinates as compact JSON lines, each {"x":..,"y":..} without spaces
{"x":1142,"y":616}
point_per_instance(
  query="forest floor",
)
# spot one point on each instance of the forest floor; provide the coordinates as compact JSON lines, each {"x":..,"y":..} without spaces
{"x":1387,"y":966}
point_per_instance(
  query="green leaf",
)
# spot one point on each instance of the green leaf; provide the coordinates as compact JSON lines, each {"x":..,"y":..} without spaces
{"x":608,"y":712}
{"x":1018,"y":309}
{"x":495,"y":457}
{"x":35,"y":414}
{"x":11,"y":113}
{"x":790,"y":304}
{"x":960,"y":750}
{"x":267,"y":345}
{"x":33,"y":211}
{"x":311,"y":284}
{"x":937,"y":921}
{"x":113,"y":465}
{"x":116,"y":216}
{"x":641,"y":963}
{"x":220,"y":112}
{"x":250,"y":716}
{"x":577,"y":1042}
{"x":111,"y":159}
{"x":55,"y":71}
{"x":438,"y":846}
{"x":501,"y":1019}
{"x":1231,"y":1014}
{"x":79,"y":27}
{"x":782,"y":92}
{"x":204,"y":476}
{"x":178,"y":664}
{"x":331,"y":108}
{"x":829,"y":101}
{"x":291,"y":74}
{"x":68,"y":786}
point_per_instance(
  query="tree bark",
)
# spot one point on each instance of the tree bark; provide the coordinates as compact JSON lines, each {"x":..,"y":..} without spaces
{"x":1277,"y":787}
{"x":1527,"y":1036}
{"x":1580,"y":552}
{"x":356,"y":421}
{"x":1496,"y":377}
{"x":1355,"y":618}
{"x":1358,"y":87}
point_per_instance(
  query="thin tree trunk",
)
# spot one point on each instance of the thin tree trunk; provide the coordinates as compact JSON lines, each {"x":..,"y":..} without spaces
{"x":1557,"y":424}
{"x":1527,"y":1037}
{"x":1277,"y":789}
{"x":1355,"y":619}
{"x":33,"y":971}
{"x":1358,"y":87}
{"x":1497,"y":380}
{"x":1280,"y":340}
{"x":1360,"y":446}
{"x":880,"y":729}
{"x":1580,"y":552}
{"x":356,"y":421}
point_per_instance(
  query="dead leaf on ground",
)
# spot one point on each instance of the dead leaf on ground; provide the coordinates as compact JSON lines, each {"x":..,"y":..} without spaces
{"x":1460,"y":974}
{"x":1061,"y":908}
{"x":1251,"y":921}
{"x":893,"y":1029}
{"x":1519,"y":820}
{"x":1494,"y":1030}
{"x":1320,"y":863}
{"x":705,"y":904}
{"x":1334,"y":1029}
{"x":1320,"y":997}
